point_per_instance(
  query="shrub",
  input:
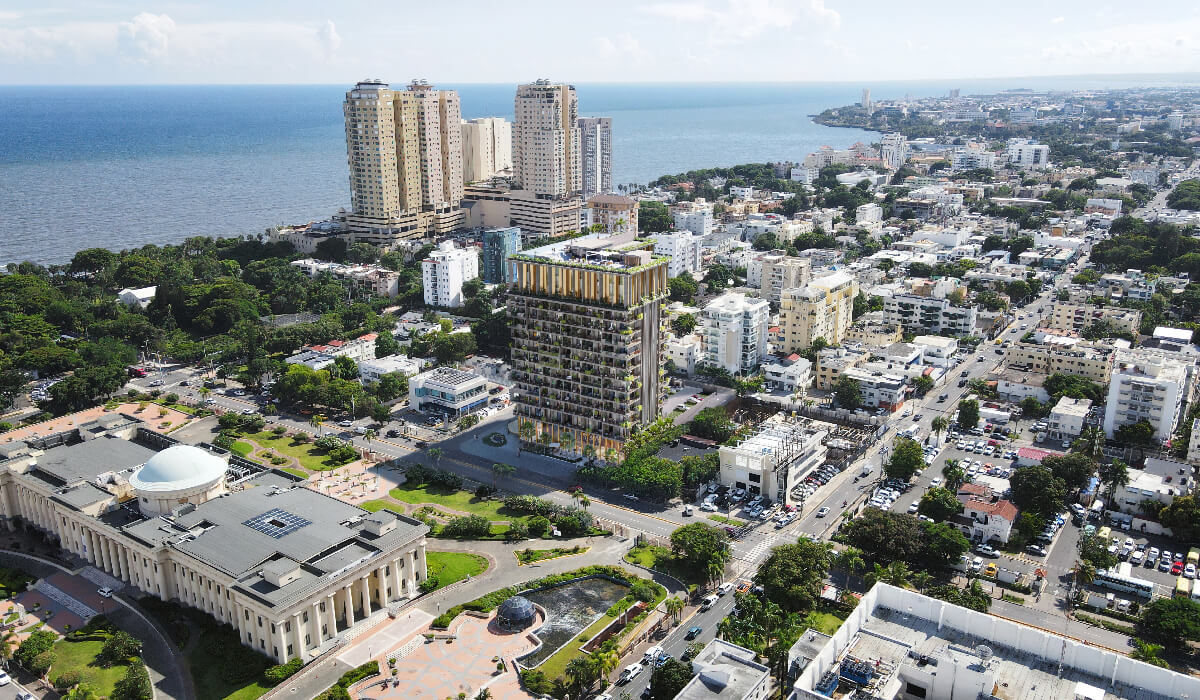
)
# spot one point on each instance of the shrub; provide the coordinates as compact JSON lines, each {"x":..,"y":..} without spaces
{"x":517,"y":531}
{"x":643,"y":590}
{"x":429,"y":585}
{"x":495,"y":440}
{"x":277,"y":674}
{"x":68,"y":679}
{"x":37,"y":643}
{"x":484,"y":491}
{"x":538,"y":526}
{"x":279,"y":430}
{"x":468,"y":526}
{"x":135,"y":685}
{"x":171,"y":398}
{"x":42,"y":662}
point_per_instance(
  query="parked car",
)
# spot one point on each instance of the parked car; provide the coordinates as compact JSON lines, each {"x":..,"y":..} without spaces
{"x":822,"y":511}
{"x":987,"y":550}
{"x":631,"y":671}
{"x":652,"y":653}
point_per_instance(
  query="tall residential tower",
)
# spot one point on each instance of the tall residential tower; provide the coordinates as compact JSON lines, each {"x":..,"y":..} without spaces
{"x":588,"y":341}
{"x":487,"y":148}
{"x":595,"y":155}
{"x":545,"y":139}
{"x":404,"y":150}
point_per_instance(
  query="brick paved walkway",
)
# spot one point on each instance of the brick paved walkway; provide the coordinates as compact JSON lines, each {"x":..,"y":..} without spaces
{"x":443,"y":669}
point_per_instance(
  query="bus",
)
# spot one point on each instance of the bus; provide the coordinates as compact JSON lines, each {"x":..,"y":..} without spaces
{"x":1122,"y":579}
{"x":1195,"y":589}
{"x":1104,"y":533}
{"x":1183,"y":588}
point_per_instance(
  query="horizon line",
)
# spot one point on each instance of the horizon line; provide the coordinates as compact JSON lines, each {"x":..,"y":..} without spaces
{"x":1194,"y":75}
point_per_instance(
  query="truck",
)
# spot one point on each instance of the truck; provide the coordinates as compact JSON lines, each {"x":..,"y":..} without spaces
{"x":1193,"y":556}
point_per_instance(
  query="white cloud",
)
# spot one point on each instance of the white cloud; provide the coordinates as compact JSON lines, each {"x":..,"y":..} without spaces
{"x":742,"y":20}
{"x":622,"y":47}
{"x":147,"y":38}
{"x":328,"y":39}
{"x":1058,"y":20}
{"x":681,"y":11}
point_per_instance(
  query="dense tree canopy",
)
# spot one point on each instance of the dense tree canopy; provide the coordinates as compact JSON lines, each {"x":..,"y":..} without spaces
{"x":793,"y":574}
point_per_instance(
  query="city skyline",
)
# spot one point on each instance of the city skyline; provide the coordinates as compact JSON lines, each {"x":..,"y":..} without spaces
{"x":769,"y":40}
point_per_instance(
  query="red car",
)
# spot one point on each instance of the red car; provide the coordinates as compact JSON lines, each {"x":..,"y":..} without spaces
{"x":1177,"y":568}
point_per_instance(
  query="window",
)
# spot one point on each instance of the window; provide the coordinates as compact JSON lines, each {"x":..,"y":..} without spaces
{"x":914,"y":690}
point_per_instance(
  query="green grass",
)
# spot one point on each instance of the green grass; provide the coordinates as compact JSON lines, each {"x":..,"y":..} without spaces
{"x":728,"y":521}
{"x":296,"y":472}
{"x":660,"y":559}
{"x":80,"y":655}
{"x":448,"y":567}
{"x":459,"y":500}
{"x":310,"y":457}
{"x":377,"y":505}
{"x":824,"y":622}
{"x":241,"y":448}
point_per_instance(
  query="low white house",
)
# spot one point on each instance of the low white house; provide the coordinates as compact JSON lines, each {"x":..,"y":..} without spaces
{"x":792,"y":378}
{"x":137,"y":297}
{"x":1067,"y":418}
{"x":371,"y":370}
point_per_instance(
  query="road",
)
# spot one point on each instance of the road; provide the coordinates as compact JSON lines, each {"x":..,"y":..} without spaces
{"x":9,"y":691}
{"x":674,"y":644}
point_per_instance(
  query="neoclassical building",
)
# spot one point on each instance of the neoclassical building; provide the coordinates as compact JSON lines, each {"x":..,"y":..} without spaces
{"x":288,"y":567}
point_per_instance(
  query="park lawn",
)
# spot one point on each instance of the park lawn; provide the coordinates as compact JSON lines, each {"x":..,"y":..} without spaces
{"x":310,"y":457}
{"x":80,"y":655}
{"x":529,"y":556}
{"x":499,"y":531}
{"x":296,"y":472}
{"x":378,"y":504}
{"x":728,"y":521}
{"x":660,"y":559}
{"x":448,"y":567}
{"x":824,"y":622}
{"x":455,"y":499}
{"x":241,"y":448}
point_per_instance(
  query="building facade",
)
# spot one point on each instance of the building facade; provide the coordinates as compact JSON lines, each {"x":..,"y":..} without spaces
{"x":449,"y":391}
{"x":681,"y":249}
{"x":487,"y":148}
{"x":615,"y":213}
{"x":775,"y":459}
{"x":823,"y":309}
{"x":545,"y":143}
{"x":595,"y":155}
{"x":733,"y":329}
{"x":928,"y":315}
{"x":1075,"y":317}
{"x":1145,"y":388}
{"x":444,"y":272}
{"x":404,"y":151}
{"x":587,"y":341}
{"x":498,"y":244}
{"x":781,"y":272}
{"x":161,"y":517}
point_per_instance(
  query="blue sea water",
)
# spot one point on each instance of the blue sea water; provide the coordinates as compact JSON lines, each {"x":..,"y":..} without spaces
{"x":124,"y":166}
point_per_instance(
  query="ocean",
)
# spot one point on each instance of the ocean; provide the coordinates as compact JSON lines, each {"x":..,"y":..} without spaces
{"x":125,"y":166}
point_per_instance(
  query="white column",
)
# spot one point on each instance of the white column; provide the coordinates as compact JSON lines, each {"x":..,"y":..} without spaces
{"x":381,"y":585}
{"x":348,"y":602}
{"x":397,"y":591}
{"x":316,"y":618}
{"x":280,"y":642}
{"x":298,"y":645}
{"x":364,"y":586}
{"x":331,"y":614}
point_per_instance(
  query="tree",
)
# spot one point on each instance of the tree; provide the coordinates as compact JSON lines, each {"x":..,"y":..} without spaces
{"x":847,"y":392}
{"x":968,"y":414}
{"x":653,"y":217}
{"x":939,"y":503}
{"x":712,"y":424}
{"x":923,"y":384}
{"x":942,"y":545}
{"x":896,"y":574}
{"x":1183,"y":517}
{"x":1147,"y":652}
{"x":1091,"y":443}
{"x":954,"y":475}
{"x":500,"y":469}
{"x":1140,"y":433}
{"x":669,"y":679}
{"x":1094,"y":551}
{"x":674,"y":606}
{"x":1074,"y":469}
{"x":883,"y":536}
{"x":939,"y":424}
{"x":435,"y":454}
{"x":793,"y":574}
{"x":119,"y":647}
{"x":849,"y":559}
{"x":392,"y":385}
{"x":583,"y":673}
{"x":700,"y":545}
{"x":683,"y":288}
{"x":135,"y":685}
{"x":683,"y":324}
{"x":1037,"y":490}
{"x":1171,"y":621}
{"x":906,"y":458}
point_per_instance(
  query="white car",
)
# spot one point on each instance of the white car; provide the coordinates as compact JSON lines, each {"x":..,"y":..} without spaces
{"x":724,"y":588}
{"x":4,"y":678}
{"x":708,"y":506}
{"x":708,"y":602}
{"x":913,"y":508}
{"x":1189,"y":571}
{"x":822,"y":511}
{"x":105,"y":592}
{"x":631,"y":671}
{"x":652,"y":653}
{"x":937,"y":481}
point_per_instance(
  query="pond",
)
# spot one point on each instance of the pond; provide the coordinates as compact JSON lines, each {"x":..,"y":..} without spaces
{"x":570,"y":608}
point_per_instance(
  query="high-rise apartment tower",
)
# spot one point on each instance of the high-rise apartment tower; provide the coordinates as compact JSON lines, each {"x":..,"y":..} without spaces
{"x":545,"y":142}
{"x":595,"y":155}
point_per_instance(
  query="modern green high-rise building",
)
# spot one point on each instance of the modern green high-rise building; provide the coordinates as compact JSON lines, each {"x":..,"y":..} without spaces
{"x":498,"y":244}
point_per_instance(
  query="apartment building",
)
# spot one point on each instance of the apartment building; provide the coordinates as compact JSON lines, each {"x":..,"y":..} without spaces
{"x":1145,"y":388}
{"x":404,"y":152}
{"x":1068,"y":418}
{"x":893,"y":150}
{"x":616,"y":213}
{"x":444,"y":272}
{"x":359,"y":349}
{"x":733,"y":669}
{"x":775,"y":458}
{"x":375,"y":279}
{"x":587,"y":340}
{"x":595,"y":155}
{"x":1057,"y":355}
{"x":929,"y":315}
{"x":878,"y":389}
{"x":783,"y":272}
{"x":684,"y":352}
{"x":794,"y":377}
{"x":537,"y":217}
{"x":487,"y":148}
{"x":733,"y":328}
{"x":498,"y":244}
{"x":822,"y":309}
{"x":1024,"y":153}
{"x":681,"y":249}
{"x":969,"y":158}
{"x":831,"y":362}
{"x":696,"y":217}
{"x":449,"y":391}
{"x":372,"y":370}
{"x":1075,"y":317}
{"x":288,"y":568}
{"x":873,"y":332}
{"x":545,"y":143}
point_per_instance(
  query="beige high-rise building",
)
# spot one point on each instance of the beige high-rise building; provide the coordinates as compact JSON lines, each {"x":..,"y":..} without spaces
{"x":487,"y":148}
{"x":780,"y":272}
{"x":545,"y":139}
{"x":404,"y":151}
{"x":595,"y":155}
{"x":822,"y":309}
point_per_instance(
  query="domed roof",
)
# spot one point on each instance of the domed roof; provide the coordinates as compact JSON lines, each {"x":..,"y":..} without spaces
{"x":177,"y":468}
{"x":516,"y":611}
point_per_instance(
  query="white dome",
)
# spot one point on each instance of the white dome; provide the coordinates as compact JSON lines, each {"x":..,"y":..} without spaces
{"x":179,"y":468}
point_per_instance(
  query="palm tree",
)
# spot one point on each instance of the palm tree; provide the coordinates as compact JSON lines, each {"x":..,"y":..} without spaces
{"x":435,"y":453}
{"x":582,"y":672}
{"x":1114,"y":475}
{"x":1090,"y":442}
{"x":8,"y":644}
{"x":715,"y":569}
{"x":566,"y":441}
{"x":500,"y":469}
{"x":896,"y":574}
{"x":315,"y":420}
{"x":850,"y":559}
{"x":204,"y":392}
{"x":590,"y":453}
{"x":369,"y":435}
{"x":1084,"y":573}
{"x":939,"y":424}
{"x":525,"y":431}
{"x":674,"y":607}
{"x":606,"y":660}
{"x":921,"y":580}
{"x":1145,"y":651}
{"x":954,"y":475}
{"x":484,"y":694}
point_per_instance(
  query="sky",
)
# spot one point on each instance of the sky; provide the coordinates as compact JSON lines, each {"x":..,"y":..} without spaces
{"x":306,"y":41}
